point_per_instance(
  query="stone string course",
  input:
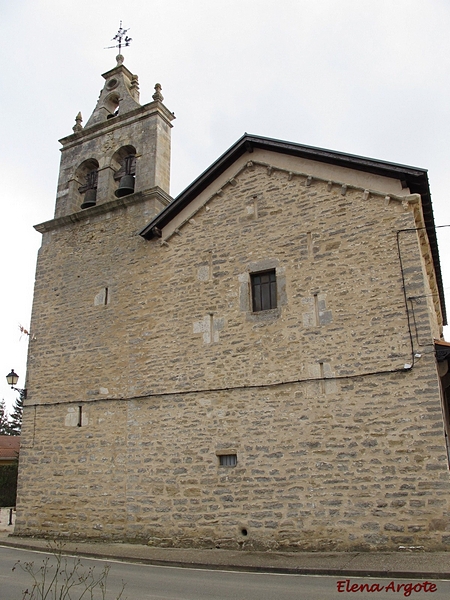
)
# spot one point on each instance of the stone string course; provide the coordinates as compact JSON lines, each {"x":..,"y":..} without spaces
{"x":339,"y":446}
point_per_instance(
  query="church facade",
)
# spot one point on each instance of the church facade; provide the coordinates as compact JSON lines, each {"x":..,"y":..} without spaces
{"x":249,"y":365}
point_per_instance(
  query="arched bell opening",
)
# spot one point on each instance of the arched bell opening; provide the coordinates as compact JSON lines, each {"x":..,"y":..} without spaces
{"x":124,"y":166}
{"x":112,"y":104}
{"x":87,"y":176}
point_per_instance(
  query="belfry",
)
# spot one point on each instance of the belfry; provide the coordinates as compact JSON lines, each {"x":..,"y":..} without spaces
{"x":124,"y":147}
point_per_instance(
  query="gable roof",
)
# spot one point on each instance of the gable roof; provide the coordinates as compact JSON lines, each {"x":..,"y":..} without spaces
{"x":416,"y":179}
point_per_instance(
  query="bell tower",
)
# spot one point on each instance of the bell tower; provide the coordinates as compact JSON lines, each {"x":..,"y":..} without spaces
{"x":114,"y":178}
{"x":124,"y":148}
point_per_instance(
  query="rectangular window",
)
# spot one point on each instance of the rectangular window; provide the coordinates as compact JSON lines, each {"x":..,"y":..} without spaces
{"x":228,"y":460}
{"x":264,"y":290}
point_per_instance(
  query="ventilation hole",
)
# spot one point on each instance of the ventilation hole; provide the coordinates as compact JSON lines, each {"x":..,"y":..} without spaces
{"x":228,"y":460}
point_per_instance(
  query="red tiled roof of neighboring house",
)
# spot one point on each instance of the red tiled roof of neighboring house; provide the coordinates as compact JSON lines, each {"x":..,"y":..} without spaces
{"x":9,"y":447}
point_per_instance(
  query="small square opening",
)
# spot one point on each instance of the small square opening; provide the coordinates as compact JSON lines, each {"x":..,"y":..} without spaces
{"x":228,"y":460}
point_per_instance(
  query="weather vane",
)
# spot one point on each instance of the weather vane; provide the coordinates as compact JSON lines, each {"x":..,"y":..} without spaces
{"x":121,"y":37}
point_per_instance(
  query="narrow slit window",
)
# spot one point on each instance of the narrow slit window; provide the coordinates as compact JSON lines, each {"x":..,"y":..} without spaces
{"x":264,"y":290}
{"x":228,"y":460}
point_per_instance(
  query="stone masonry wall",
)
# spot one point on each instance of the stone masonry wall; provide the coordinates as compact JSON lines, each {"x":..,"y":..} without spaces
{"x":152,"y":348}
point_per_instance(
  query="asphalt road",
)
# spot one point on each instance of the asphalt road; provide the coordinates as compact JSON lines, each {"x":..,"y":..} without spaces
{"x":173,"y":583}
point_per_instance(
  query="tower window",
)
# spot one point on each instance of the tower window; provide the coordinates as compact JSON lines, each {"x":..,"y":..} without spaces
{"x":264,"y":290}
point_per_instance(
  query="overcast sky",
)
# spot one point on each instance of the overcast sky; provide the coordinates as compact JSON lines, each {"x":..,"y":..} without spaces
{"x":366,"y":77}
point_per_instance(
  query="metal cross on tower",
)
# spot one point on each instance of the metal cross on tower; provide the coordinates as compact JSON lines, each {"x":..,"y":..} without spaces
{"x":122,"y":38}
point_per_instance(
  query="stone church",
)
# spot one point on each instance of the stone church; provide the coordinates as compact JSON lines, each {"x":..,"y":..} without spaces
{"x":256,"y":363}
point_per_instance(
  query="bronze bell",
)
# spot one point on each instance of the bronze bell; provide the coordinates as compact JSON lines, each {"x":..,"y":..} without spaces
{"x":126,"y":186}
{"x":90,"y":198}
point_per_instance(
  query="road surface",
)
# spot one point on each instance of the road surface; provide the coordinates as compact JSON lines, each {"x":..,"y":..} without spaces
{"x":174,"y":583}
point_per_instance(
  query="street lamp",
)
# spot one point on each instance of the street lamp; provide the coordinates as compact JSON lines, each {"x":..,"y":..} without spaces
{"x":12,"y":379}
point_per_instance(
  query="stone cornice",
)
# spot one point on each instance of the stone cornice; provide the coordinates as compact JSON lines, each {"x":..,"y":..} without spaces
{"x":308,"y":180}
{"x":101,"y":209}
{"x":98,"y":129}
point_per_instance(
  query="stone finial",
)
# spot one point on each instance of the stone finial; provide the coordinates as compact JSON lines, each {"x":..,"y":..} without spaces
{"x":119,"y":59}
{"x":157,"y":96}
{"x":78,"y":120}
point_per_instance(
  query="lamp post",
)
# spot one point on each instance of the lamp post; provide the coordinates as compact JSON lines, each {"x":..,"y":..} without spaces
{"x":12,"y":379}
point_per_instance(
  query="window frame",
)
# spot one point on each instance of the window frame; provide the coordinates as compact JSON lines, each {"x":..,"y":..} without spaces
{"x":264,"y":294}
